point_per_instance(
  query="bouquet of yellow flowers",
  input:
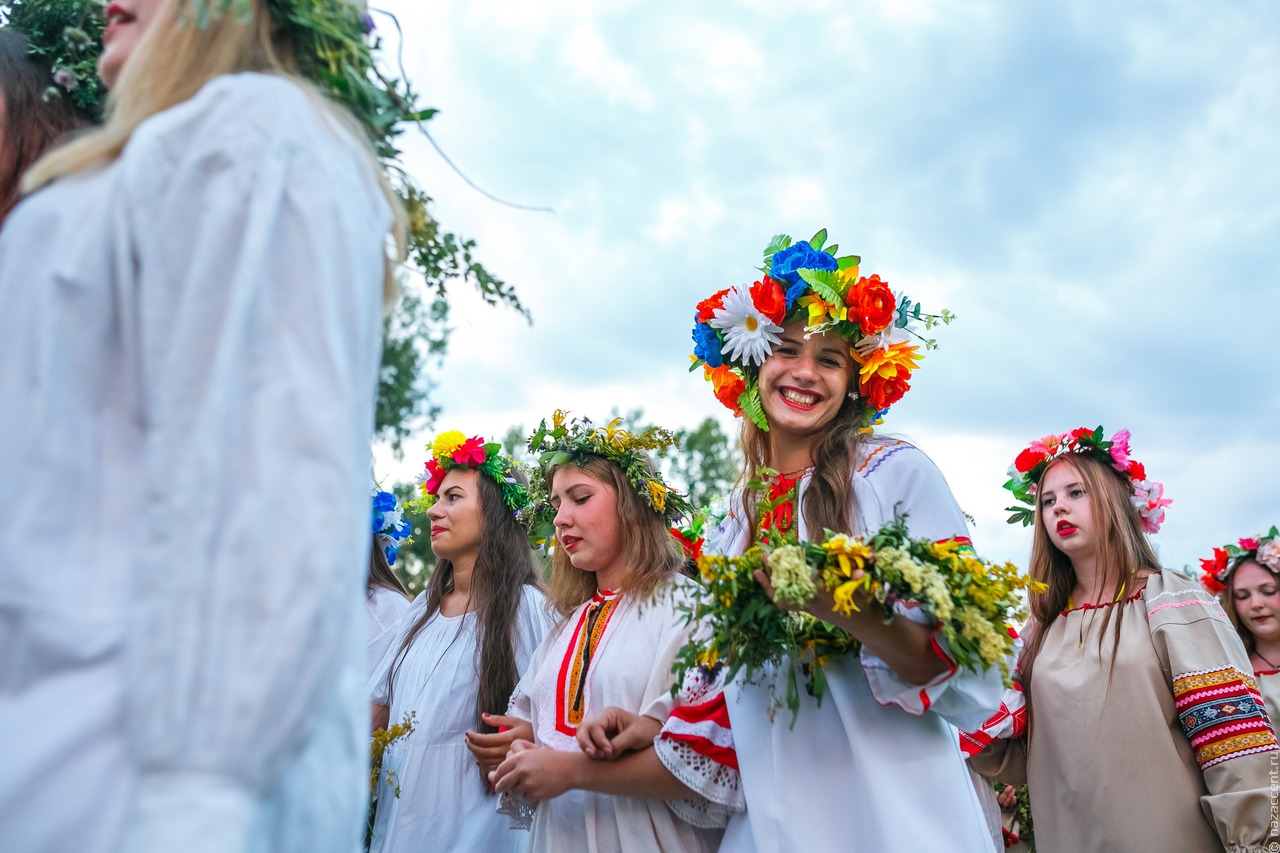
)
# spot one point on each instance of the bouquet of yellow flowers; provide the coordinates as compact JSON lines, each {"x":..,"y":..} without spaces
{"x":973,"y":601}
{"x":378,"y":745}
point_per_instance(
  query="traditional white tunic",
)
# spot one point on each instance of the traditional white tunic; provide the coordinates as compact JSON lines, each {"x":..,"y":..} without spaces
{"x":190,"y":344}
{"x":444,"y":804}
{"x":876,"y":766}
{"x":386,"y":607}
{"x":618,"y":651}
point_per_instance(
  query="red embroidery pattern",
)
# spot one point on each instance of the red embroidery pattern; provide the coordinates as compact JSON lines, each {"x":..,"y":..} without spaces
{"x":779,"y":509}
{"x":571,"y":685}
{"x":705,"y":729}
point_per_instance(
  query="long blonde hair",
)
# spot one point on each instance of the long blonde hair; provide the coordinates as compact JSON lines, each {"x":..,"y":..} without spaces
{"x":1122,"y":551}
{"x":650,"y":550}
{"x":172,"y":61}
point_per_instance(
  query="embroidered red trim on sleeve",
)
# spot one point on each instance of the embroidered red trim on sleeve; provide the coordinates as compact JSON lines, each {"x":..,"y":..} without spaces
{"x":704,"y":728}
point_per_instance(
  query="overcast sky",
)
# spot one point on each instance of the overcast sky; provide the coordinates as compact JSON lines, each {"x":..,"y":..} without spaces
{"x":1093,"y":188}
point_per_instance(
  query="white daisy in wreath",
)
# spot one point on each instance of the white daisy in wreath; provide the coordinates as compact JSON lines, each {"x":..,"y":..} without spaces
{"x":749,"y":335}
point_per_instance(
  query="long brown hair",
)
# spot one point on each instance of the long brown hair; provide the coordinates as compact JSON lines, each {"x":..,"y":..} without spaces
{"x":1228,"y":600}
{"x":380,"y":574}
{"x":1121,"y":552}
{"x":652,"y":553}
{"x":829,"y":501}
{"x":504,"y":566}
{"x":172,"y":61}
{"x":32,"y":125}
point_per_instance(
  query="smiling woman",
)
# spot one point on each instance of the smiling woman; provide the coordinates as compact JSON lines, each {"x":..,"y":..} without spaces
{"x":811,"y":356}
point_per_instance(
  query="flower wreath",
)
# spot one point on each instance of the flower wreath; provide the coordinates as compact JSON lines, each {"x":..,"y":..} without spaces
{"x":389,"y":526}
{"x":1216,"y":571}
{"x":1027,"y":469}
{"x":735,"y":329}
{"x":66,"y":34}
{"x":452,"y":450}
{"x":569,"y":439}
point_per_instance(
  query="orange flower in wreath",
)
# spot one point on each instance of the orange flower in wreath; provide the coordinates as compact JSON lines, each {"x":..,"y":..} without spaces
{"x":770,"y":299}
{"x":873,"y":302}
{"x":728,"y":386}
{"x":883,"y":377}
{"x":708,"y":307}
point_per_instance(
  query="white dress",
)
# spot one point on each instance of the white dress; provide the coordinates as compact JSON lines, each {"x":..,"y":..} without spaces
{"x":443,"y":803}
{"x":386,"y":607}
{"x":189,"y":342}
{"x":629,"y":646}
{"x":875,"y":767}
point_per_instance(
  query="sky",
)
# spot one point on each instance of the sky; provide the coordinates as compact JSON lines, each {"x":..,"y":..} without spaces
{"x":1092,"y":188}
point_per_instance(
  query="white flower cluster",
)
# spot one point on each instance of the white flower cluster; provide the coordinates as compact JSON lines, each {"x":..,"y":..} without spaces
{"x":791,"y":576}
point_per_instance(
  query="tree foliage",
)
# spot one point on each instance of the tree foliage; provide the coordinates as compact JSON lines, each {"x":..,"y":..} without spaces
{"x":416,"y":334}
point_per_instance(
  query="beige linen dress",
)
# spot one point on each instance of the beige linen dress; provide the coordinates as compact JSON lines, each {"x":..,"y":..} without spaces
{"x":1169,"y":748}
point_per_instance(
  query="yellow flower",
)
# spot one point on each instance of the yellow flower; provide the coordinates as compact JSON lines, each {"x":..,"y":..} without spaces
{"x":848,"y":277}
{"x":819,"y":310}
{"x":846,"y":555}
{"x":887,"y":362}
{"x":658,"y":494}
{"x":446,"y":443}
{"x":843,"y":596}
{"x":557,"y":418}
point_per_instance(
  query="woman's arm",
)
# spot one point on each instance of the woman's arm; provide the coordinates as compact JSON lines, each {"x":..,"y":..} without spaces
{"x":906,"y":646}
{"x":616,"y":732}
{"x":540,"y":773}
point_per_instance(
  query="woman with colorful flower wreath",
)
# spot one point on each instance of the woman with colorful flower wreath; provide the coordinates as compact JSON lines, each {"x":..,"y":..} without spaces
{"x":385,"y":597}
{"x":1246,"y":579}
{"x":192,"y":306}
{"x":812,"y":354}
{"x":1132,"y":677}
{"x":621,"y":757}
{"x":458,"y":654}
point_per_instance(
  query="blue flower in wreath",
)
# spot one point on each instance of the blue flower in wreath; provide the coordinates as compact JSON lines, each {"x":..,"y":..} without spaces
{"x":794,"y":292}
{"x":706,"y":345}
{"x":788,"y":262}
{"x":383,"y":502}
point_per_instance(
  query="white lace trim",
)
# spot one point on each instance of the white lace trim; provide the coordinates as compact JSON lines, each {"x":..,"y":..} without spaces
{"x":706,"y":777}
{"x":519,"y":812}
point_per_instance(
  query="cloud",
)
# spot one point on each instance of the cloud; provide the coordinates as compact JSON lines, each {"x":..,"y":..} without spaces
{"x":1091,"y":190}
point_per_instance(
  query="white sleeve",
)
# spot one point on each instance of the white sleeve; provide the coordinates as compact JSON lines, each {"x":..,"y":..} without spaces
{"x":258,"y":245}
{"x":386,"y":609}
{"x":905,"y":481}
{"x":378,"y":688}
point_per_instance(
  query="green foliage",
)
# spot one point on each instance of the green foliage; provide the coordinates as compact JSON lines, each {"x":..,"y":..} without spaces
{"x":66,"y":34}
{"x":777,"y":244}
{"x":414,"y":560}
{"x":705,"y":464}
{"x":823,"y":284}
{"x":751,"y":404}
{"x":416,"y":335}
